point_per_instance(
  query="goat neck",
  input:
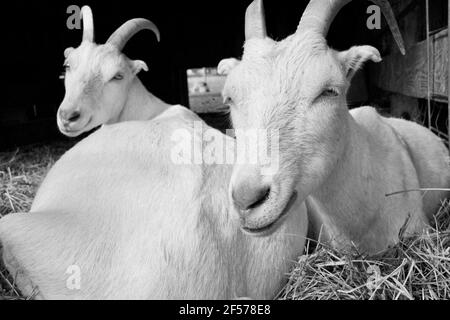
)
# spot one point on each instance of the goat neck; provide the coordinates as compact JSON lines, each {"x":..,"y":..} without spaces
{"x":140,"y":105}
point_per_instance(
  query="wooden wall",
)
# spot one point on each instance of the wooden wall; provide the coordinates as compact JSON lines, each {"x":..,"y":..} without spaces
{"x":404,"y":81}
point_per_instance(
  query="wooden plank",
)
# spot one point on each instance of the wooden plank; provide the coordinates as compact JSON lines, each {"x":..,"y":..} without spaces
{"x":408,"y":74}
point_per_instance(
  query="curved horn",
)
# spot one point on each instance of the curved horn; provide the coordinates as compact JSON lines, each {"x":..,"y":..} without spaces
{"x":88,"y":24}
{"x":319,"y":14}
{"x":121,"y":36}
{"x":255,"y":22}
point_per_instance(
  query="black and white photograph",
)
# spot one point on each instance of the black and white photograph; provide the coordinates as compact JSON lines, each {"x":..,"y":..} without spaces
{"x":245,"y":151}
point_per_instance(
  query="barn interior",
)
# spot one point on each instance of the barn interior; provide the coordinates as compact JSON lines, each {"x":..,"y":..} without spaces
{"x":197,"y":35}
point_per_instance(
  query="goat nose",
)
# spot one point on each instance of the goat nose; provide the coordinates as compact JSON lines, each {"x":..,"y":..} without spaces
{"x":70,"y":116}
{"x":248,"y":197}
{"x":74,"y":116}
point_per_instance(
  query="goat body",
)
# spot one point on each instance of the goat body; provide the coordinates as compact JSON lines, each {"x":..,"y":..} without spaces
{"x":352,"y":202}
{"x":138,"y":226}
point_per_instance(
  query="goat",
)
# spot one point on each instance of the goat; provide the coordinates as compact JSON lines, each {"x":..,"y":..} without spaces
{"x":138,"y":226}
{"x":101,"y":83}
{"x":118,"y":217}
{"x":341,"y":162}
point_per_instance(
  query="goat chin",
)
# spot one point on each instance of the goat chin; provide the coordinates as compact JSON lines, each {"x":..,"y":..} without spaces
{"x":115,"y":218}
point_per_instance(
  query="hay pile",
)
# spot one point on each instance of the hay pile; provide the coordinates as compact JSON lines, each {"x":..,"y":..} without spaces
{"x":416,"y":268}
{"x":21,"y":172}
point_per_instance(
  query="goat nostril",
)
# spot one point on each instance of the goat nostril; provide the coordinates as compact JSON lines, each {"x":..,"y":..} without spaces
{"x":262,"y":197}
{"x":74,"y":116}
{"x":251,"y":199}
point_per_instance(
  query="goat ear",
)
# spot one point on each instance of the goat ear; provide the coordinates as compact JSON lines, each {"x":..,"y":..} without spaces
{"x":67,"y":52}
{"x":354,"y":58}
{"x":226,"y":65}
{"x":138,"y":65}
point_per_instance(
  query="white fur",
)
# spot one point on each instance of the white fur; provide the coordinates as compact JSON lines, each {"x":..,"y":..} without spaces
{"x":226,"y":65}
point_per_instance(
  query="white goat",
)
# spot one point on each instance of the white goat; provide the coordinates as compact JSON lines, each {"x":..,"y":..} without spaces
{"x":101,"y":83}
{"x":342,"y":163}
{"x":131,"y":224}
{"x":117,"y":218}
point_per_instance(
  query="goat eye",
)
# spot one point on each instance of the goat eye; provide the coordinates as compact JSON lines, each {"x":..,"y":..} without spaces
{"x":118,"y":76}
{"x":227,"y":101}
{"x":330,"y":92}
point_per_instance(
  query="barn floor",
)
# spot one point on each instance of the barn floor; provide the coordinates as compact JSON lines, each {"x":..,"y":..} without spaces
{"x":417,"y":268}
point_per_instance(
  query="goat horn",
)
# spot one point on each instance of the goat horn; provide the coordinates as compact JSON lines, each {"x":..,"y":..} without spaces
{"x":88,"y":24}
{"x":255,"y":22}
{"x":319,"y":14}
{"x":121,"y":36}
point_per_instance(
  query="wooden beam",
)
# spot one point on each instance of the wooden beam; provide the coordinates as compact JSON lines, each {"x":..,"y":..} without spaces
{"x":408,"y":75}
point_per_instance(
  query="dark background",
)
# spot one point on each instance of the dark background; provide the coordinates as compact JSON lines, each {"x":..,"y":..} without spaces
{"x":193,"y":34}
